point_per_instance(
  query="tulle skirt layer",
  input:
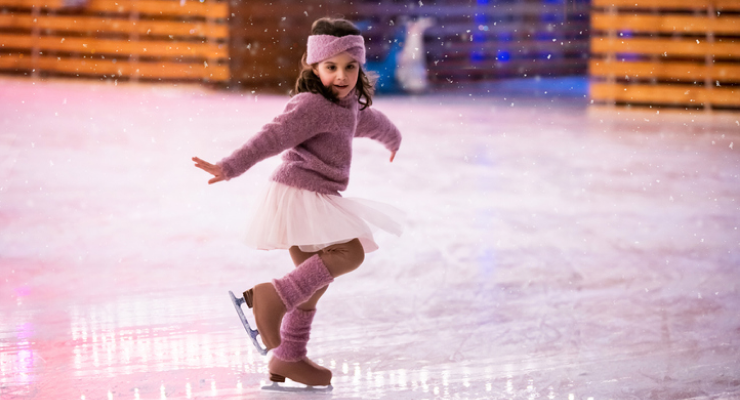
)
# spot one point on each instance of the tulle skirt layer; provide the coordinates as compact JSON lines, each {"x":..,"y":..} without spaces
{"x":288,"y":216}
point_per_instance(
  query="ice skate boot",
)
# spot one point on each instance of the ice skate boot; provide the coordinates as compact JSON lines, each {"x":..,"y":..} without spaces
{"x":270,"y":301}
{"x":305,"y":371}
{"x":268,"y":311}
{"x":289,"y":359}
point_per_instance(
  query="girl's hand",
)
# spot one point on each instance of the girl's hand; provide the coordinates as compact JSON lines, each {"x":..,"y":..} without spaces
{"x":393,"y":155}
{"x":215,"y":170}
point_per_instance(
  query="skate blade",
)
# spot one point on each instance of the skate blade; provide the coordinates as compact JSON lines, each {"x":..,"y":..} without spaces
{"x":282,"y":387}
{"x":253,"y":333}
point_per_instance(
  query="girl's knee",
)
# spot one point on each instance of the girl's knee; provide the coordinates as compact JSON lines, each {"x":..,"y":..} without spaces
{"x":343,"y":258}
{"x":356,"y":254}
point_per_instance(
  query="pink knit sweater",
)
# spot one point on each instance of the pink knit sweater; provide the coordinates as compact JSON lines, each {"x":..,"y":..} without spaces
{"x":318,"y":136}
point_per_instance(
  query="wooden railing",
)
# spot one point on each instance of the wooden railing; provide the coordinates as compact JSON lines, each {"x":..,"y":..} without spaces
{"x":134,"y":39}
{"x":683,"y":53}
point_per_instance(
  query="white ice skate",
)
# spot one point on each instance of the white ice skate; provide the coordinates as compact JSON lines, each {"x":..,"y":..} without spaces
{"x":253,"y":333}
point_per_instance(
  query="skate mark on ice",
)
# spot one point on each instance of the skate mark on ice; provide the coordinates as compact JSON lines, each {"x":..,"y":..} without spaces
{"x":253,"y":333}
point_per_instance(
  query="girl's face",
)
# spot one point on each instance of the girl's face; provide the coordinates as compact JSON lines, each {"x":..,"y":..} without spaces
{"x":339,"y":73}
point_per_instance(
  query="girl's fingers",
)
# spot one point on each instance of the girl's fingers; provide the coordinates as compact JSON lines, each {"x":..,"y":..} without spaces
{"x":201,"y":163}
{"x":216,"y":179}
{"x":214,"y":170}
{"x":393,"y":156}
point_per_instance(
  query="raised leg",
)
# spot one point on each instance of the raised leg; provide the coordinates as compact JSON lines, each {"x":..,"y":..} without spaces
{"x":272,"y":300}
{"x":339,"y":259}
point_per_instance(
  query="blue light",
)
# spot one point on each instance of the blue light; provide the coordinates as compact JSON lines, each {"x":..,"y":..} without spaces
{"x":506,"y":36}
{"x":503,"y":55}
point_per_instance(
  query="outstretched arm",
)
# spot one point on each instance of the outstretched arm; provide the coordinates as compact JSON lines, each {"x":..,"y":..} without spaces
{"x":295,"y":125}
{"x":375,"y":125}
{"x":215,"y":170}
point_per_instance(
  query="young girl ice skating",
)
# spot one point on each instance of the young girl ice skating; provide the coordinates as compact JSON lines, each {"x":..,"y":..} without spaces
{"x":302,"y":211}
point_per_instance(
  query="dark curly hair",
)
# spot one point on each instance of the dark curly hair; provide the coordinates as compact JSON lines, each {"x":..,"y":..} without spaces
{"x":308,"y":81}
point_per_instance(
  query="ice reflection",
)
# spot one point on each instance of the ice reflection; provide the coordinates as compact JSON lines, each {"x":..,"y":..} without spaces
{"x":112,"y":337}
{"x":18,"y":358}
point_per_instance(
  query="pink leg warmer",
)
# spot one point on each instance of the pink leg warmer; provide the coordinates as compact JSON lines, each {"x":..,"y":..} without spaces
{"x":301,"y":283}
{"x":295,"y":333}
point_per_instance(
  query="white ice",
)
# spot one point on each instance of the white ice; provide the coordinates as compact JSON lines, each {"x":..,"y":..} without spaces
{"x":552,"y":250}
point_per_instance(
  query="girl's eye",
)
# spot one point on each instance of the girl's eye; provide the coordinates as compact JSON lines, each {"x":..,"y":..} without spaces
{"x":331,"y":68}
{"x":351,"y":67}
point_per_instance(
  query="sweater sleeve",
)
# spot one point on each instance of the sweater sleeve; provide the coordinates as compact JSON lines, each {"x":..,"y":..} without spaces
{"x":296,"y":124}
{"x":375,"y":125}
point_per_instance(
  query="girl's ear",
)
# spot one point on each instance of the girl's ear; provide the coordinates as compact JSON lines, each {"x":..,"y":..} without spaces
{"x":315,"y":69}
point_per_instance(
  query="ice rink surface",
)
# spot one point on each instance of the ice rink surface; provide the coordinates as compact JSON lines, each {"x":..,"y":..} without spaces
{"x":551,"y":250}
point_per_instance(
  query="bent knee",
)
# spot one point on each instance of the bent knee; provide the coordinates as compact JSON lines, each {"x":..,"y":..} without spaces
{"x":356,"y":254}
{"x":343,"y":258}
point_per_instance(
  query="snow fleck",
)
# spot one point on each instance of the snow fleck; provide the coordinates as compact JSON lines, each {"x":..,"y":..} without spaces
{"x":205,"y":63}
{"x":731,"y":143}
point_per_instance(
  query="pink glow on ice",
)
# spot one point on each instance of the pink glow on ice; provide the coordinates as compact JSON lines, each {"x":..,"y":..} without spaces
{"x":552,"y":251}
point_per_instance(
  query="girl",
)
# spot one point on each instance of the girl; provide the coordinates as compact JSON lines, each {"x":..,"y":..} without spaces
{"x":302,"y":210}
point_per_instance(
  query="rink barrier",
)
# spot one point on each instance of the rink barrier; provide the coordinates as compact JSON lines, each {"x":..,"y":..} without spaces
{"x":500,"y":40}
{"x":469,"y":43}
{"x":674,"y":53}
{"x":130,"y":39}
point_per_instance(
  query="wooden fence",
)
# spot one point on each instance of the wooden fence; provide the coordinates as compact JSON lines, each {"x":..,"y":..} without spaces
{"x":130,"y":39}
{"x":681,"y":53}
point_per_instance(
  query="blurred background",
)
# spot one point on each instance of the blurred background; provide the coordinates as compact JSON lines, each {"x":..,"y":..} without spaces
{"x":674,"y":53}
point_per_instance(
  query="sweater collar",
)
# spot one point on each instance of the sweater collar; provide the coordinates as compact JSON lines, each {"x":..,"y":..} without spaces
{"x":349,"y":100}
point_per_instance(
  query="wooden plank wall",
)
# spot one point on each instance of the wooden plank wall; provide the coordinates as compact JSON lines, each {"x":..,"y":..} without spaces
{"x":268,"y":39}
{"x":472,"y":40}
{"x":115,"y":39}
{"x":678,"y":53}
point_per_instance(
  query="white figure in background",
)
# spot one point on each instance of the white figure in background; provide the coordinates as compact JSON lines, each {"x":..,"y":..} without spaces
{"x":411,"y":70}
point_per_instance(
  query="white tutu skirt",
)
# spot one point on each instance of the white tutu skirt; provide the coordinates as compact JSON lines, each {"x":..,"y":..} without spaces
{"x":288,"y":216}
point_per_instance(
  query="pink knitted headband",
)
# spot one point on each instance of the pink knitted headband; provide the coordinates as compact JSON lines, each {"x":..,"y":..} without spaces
{"x":322,"y":47}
